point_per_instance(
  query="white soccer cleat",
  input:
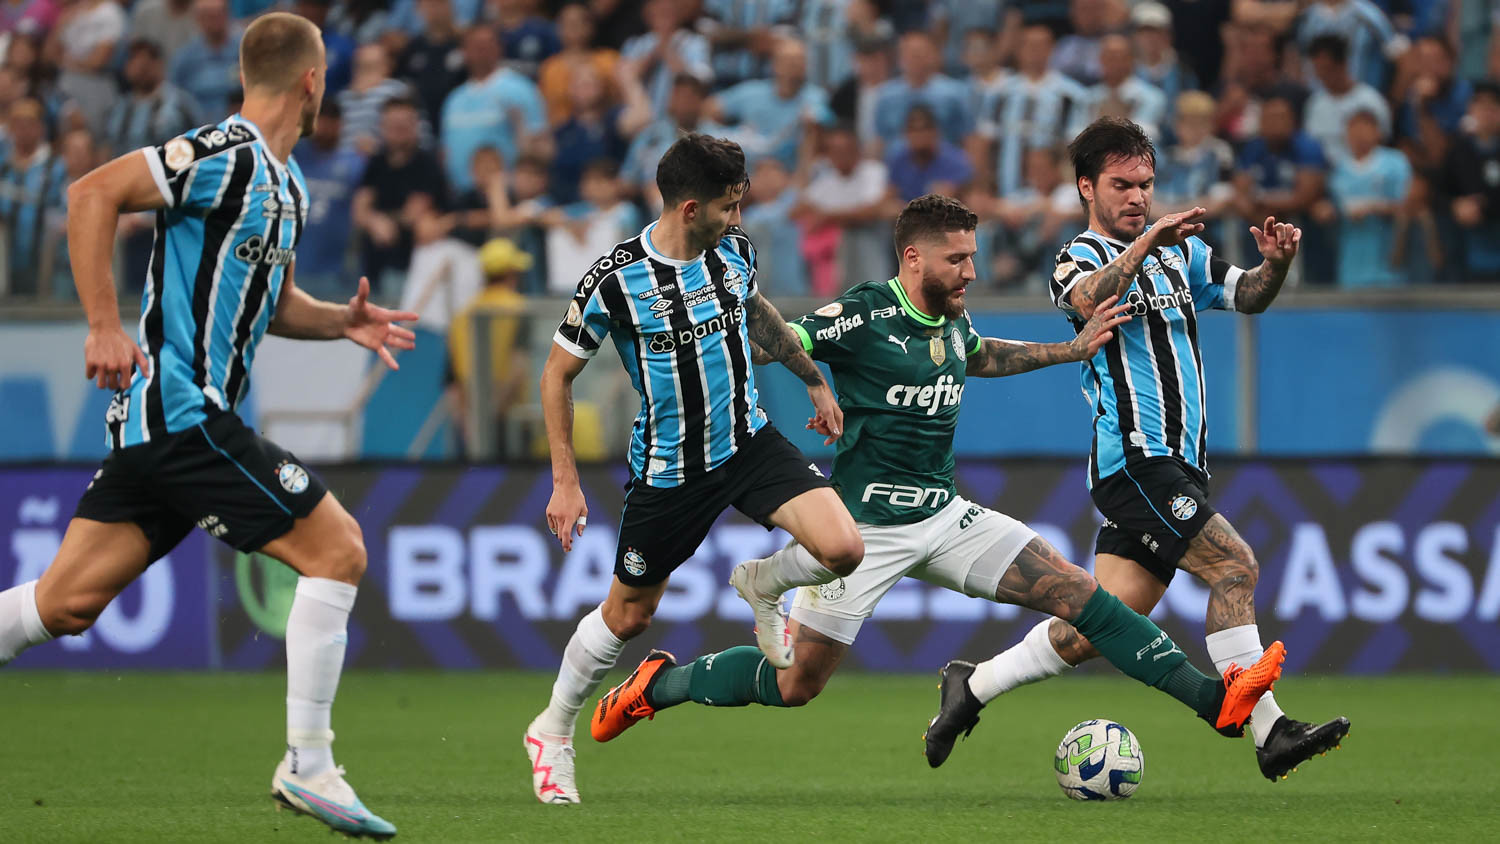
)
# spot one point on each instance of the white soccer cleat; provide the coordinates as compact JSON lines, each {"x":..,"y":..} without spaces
{"x":552,"y":760}
{"x":770,"y":623}
{"x":328,"y":798}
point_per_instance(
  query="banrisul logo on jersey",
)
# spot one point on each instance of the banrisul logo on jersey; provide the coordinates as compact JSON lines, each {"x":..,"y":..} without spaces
{"x":929,"y":398}
{"x":668,"y":341}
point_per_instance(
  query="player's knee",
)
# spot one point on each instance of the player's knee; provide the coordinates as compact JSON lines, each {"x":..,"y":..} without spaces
{"x":73,"y":615}
{"x":345,"y":559}
{"x":842,"y":554}
{"x":627,"y":621}
{"x":798,"y":688}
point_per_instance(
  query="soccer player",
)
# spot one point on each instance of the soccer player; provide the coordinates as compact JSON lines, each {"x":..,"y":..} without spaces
{"x":1148,"y":469}
{"x":230,"y":206}
{"x":900,"y":351}
{"x":680,"y":302}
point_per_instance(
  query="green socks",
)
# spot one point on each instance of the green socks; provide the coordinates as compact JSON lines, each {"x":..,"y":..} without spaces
{"x":1136,"y":646}
{"x":735,"y":677}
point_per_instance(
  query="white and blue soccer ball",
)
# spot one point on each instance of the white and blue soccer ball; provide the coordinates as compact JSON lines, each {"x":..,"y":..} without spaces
{"x":1099,"y":760}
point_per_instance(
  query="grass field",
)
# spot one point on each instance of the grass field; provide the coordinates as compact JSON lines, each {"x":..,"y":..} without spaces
{"x":175,"y":757}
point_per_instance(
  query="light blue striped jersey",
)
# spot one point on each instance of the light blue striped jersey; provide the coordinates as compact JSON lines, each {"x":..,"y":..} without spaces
{"x":223,"y":244}
{"x":1020,"y":114}
{"x":1146,"y":385}
{"x":679,"y":327}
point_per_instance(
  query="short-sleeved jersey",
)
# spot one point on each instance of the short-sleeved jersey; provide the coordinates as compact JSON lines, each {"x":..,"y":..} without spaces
{"x":899,"y":374}
{"x":1146,"y":385}
{"x":679,"y":327}
{"x":223,"y":244}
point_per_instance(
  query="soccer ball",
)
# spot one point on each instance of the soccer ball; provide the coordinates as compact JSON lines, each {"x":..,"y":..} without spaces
{"x":1099,"y":760}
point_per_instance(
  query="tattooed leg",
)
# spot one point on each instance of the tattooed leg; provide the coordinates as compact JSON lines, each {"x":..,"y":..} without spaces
{"x":1221,"y":559}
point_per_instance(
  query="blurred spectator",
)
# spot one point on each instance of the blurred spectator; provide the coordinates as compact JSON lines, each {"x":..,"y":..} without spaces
{"x":408,"y":18}
{"x":79,"y":155}
{"x":1253,"y":72}
{"x":31,"y":184}
{"x":597,"y":129}
{"x":1035,"y":107}
{"x":854,"y":101}
{"x":1197,"y":36}
{"x":433,"y":60}
{"x":1366,"y":192}
{"x":1472,"y":177}
{"x":28,"y":17}
{"x":84,"y":44}
{"x":401,"y":183}
{"x":526,"y":39}
{"x":920,"y":82}
{"x":953,"y":20}
{"x":496,"y":107}
{"x":1196,"y":169}
{"x":1282,"y":173}
{"x":502,"y":304}
{"x":333,"y":173}
{"x":208,"y":67}
{"x":520,"y":208}
{"x":1373,"y":42}
{"x":363,"y":21}
{"x":575,"y":28}
{"x":595,"y":224}
{"x":151,"y":110}
{"x":1475,"y":28}
{"x":983,"y":68}
{"x":1155,"y":60}
{"x":473,"y":210}
{"x":1338,"y":97}
{"x":168,"y":23}
{"x":770,"y":115}
{"x":832,"y":29}
{"x":1077,"y":53}
{"x":666,"y":51}
{"x":338,"y":48}
{"x":842,"y":210}
{"x":370,"y":89}
{"x":685,"y":113}
{"x":740,"y":36}
{"x":1121,"y":93}
{"x":1032,"y":221}
{"x":1435,"y":93}
{"x":617,"y":21}
{"x":767,"y":219}
{"x":925,"y":163}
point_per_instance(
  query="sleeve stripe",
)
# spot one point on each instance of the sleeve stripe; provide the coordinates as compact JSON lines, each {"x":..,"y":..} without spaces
{"x":1094,"y":246}
{"x":801,"y":333}
{"x":572,"y":348}
{"x":978,"y":341}
{"x":159,"y":175}
{"x":1231,"y":279}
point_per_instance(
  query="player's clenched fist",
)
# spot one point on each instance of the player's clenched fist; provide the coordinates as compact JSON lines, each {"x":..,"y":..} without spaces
{"x":110,"y":357}
{"x":565,"y":511}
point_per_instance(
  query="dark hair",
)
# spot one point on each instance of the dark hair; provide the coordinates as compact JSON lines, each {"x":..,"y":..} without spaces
{"x":921,"y":111}
{"x":138,"y":45}
{"x":532,"y":161}
{"x":398,"y":102}
{"x":605,"y":168}
{"x":1486,"y":88}
{"x":690,"y":81}
{"x":700,"y":167}
{"x":1335,"y":47}
{"x":933,"y":214}
{"x":1108,"y":139}
{"x":331,"y":108}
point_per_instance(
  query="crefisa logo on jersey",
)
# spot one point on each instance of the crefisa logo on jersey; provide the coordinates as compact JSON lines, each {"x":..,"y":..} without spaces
{"x":1183,"y":507}
{"x":293,"y":478}
{"x":634,"y":562}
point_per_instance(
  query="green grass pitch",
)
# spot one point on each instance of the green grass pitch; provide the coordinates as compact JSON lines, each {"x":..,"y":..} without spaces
{"x":178,"y":757}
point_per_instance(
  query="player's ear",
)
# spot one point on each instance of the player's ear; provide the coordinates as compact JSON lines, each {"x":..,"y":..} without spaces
{"x":1086,"y":188}
{"x":690,"y":209}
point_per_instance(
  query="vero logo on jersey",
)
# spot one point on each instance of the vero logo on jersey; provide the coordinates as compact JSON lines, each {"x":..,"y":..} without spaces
{"x":930,"y":398}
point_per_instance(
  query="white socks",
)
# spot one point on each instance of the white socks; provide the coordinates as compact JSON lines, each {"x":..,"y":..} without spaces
{"x":20,"y":623}
{"x":1241,"y":645}
{"x":316,"y":635}
{"x":1027,"y":661}
{"x":790,"y":567}
{"x":588,"y":657}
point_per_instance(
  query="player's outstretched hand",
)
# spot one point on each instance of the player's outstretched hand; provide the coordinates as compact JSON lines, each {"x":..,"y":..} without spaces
{"x":110,"y":358}
{"x":567,"y":511}
{"x":375,"y":327}
{"x":1173,"y":229}
{"x":1277,"y":241}
{"x":828,"y":417}
{"x":1100,"y":328}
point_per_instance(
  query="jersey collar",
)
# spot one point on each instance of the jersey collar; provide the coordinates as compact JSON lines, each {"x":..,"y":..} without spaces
{"x":911,"y":310}
{"x":255,"y":130}
{"x":651,"y":250}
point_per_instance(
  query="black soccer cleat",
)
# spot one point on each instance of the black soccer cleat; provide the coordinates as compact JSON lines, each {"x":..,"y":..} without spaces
{"x":958,"y":712}
{"x":1293,"y":742}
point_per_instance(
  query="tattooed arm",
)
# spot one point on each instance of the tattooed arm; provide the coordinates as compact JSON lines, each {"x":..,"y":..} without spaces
{"x":1257,"y":288}
{"x":1114,"y":278}
{"x":775,"y":341}
{"x":998,"y":358}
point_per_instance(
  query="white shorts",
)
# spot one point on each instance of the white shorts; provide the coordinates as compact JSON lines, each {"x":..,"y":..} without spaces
{"x":963,"y":547}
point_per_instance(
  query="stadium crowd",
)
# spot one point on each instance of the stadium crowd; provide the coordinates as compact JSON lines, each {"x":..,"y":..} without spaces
{"x":1374,"y":124}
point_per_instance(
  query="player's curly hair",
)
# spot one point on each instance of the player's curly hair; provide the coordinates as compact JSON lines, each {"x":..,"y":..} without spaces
{"x":701,"y":167}
{"x":933,"y":214}
{"x":1108,"y":139}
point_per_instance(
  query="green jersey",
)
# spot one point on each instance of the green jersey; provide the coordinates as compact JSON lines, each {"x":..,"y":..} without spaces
{"x":899,"y":375}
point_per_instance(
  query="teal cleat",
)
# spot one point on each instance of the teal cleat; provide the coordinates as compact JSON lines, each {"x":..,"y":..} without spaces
{"x":329,"y":799}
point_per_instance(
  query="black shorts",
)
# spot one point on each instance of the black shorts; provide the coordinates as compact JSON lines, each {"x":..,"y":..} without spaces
{"x":1152,"y":511}
{"x":662,"y":527}
{"x":219,"y":475}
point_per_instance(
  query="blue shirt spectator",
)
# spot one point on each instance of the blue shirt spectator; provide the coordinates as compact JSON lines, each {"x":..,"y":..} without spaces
{"x":1338,"y":97}
{"x":433,"y":61}
{"x":1155,"y":61}
{"x":957,"y":18}
{"x":525,"y":40}
{"x":586,"y":137}
{"x":1367,"y":187}
{"x":151,"y":110}
{"x":737,"y":31}
{"x":920,"y":82}
{"x":688,"y":50}
{"x":208,"y":67}
{"x":1373,"y":42}
{"x":1035,"y":107}
{"x":1273,"y":167}
{"x":769,"y":221}
{"x":769,"y":113}
{"x":32,"y":180}
{"x":332,"y":172}
{"x":338,"y":48}
{"x":925,"y":163}
{"x":494,"y":108}
{"x":407,"y":15}
{"x":1435,"y":91}
{"x":1123,"y":94}
{"x":685,"y":113}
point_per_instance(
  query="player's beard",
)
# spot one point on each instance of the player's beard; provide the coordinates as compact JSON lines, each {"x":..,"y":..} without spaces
{"x":707,"y":235}
{"x":309,"y":118}
{"x":939,"y":294}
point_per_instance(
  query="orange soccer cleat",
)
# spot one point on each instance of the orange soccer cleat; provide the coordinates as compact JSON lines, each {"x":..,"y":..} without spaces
{"x":1243,"y":687}
{"x":627,"y":703}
